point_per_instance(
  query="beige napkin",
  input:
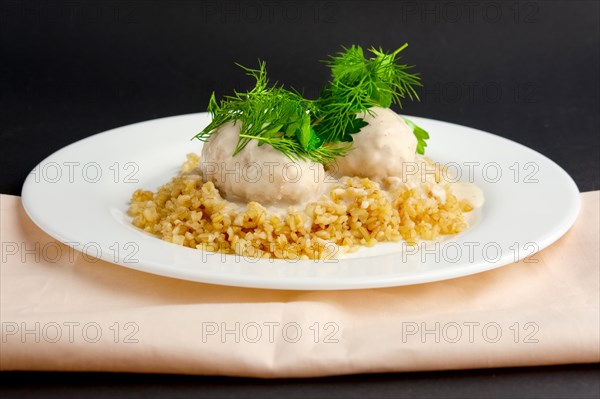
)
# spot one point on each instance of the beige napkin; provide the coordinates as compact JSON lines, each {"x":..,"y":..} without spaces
{"x":61,"y":311}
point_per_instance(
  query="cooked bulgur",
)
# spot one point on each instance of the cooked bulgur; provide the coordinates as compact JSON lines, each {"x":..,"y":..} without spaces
{"x":353,"y":212}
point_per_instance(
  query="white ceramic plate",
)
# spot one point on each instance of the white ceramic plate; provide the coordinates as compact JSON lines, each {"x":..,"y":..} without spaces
{"x":80,"y":194}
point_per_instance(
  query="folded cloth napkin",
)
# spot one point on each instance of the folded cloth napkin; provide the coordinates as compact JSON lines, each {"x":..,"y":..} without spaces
{"x":62,"y":310}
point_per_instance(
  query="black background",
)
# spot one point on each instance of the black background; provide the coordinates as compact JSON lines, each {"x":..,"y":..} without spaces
{"x":525,"y":70}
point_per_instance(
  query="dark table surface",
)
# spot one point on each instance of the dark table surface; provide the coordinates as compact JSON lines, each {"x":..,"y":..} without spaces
{"x":527,"y":70}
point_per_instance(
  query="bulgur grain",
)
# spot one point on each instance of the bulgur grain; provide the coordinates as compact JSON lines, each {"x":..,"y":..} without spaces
{"x":355,"y":211}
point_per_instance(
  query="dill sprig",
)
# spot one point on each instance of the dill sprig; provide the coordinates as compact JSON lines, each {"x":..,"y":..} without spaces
{"x":316,"y":130}
{"x":271,"y":115}
{"x":359,"y":83}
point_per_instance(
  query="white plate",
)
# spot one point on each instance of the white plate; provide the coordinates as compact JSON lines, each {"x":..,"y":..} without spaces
{"x":80,"y":194}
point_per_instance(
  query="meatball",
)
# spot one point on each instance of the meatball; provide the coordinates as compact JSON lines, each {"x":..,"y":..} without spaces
{"x":258,"y":173}
{"x":381,"y":148}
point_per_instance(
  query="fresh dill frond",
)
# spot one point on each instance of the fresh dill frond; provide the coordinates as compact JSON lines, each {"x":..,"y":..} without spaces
{"x":271,"y":115}
{"x":359,"y":83}
{"x":314,"y":130}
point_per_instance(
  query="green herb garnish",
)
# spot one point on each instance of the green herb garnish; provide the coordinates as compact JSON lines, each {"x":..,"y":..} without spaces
{"x":317,"y":129}
{"x":271,"y":115}
{"x":420,"y":134}
{"x":359,"y":83}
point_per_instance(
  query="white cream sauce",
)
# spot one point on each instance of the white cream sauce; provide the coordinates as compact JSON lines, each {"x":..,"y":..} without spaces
{"x":468,"y":191}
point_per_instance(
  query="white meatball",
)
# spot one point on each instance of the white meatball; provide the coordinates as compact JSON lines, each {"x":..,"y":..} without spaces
{"x":381,"y":148}
{"x":260,"y":174}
